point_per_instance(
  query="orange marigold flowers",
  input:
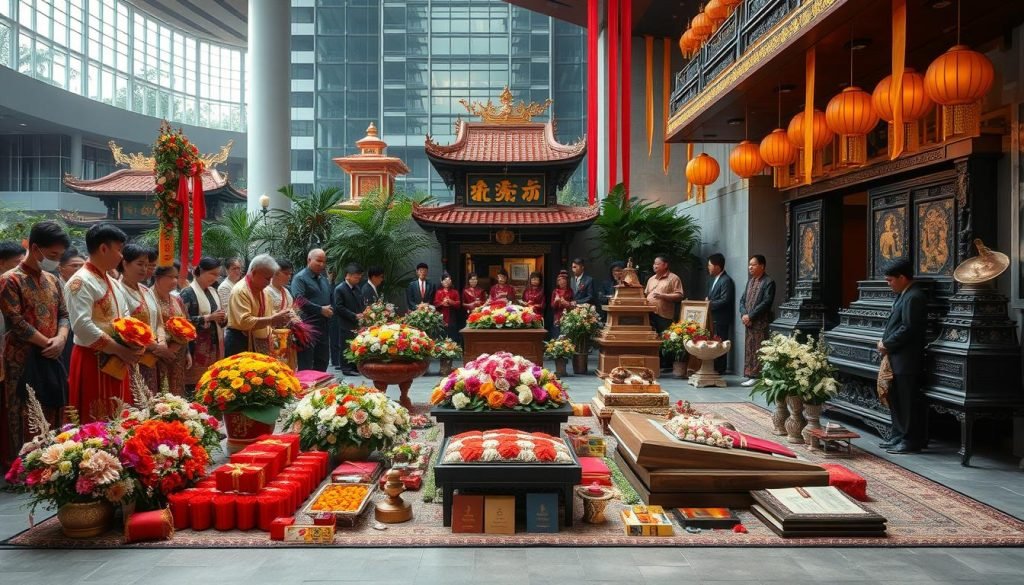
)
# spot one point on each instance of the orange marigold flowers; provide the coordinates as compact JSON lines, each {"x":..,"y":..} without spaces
{"x":132,"y":332}
{"x":180,"y":329}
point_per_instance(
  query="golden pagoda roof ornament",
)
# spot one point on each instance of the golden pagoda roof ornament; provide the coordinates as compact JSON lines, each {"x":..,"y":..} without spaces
{"x":508,"y":112}
{"x":140,"y":162}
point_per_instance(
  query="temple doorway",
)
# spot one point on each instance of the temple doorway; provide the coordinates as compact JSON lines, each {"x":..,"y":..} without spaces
{"x":518,"y":268}
{"x":854,"y":246}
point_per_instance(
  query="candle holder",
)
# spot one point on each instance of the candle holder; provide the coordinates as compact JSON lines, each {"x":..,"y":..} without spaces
{"x":393,"y":509}
{"x":595,"y":499}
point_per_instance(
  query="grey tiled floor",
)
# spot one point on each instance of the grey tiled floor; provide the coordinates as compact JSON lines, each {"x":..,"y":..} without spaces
{"x":993,"y":480}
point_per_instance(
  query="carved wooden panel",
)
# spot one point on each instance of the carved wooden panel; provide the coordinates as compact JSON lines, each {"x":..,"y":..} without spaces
{"x":935,"y":245}
{"x":807,"y":240}
{"x":889,"y":238}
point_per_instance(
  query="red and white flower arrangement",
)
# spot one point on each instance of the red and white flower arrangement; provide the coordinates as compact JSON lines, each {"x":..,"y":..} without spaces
{"x":503,"y":315}
{"x":169,"y":408}
{"x":506,"y":445}
{"x":500,"y":381}
{"x":330,"y":419}
{"x":393,"y":342}
{"x":698,"y":429}
{"x":162,"y":457}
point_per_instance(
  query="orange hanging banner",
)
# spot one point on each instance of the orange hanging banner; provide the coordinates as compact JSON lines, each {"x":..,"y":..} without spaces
{"x":689,"y":157}
{"x":899,"y":53}
{"x":666,"y":78}
{"x":809,"y":115}
{"x":649,"y":93}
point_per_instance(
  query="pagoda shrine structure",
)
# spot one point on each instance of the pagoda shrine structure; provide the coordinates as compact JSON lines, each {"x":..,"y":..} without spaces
{"x":505,"y":170}
{"x":128,"y":193}
{"x":370,"y":169}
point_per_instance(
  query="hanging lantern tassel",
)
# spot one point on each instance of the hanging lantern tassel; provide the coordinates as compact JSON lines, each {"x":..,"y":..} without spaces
{"x":958,"y":80}
{"x":778,"y":153}
{"x":851,"y":116}
{"x":702,"y":171}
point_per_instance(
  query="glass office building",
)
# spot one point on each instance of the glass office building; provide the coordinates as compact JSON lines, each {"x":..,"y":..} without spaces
{"x":404,"y":65}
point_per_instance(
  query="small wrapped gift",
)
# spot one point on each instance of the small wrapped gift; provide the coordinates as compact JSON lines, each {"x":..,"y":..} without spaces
{"x":356,"y":472}
{"x":579,"y":439}
{"x":246,"y":478}
{"x":179,"y":503}
{"x":153,"y":525}
{"x":294,"y":488}
{"x":324,"y":519}
{"x":323,"y":458}
{"x":201,"y":511}
{"x":284,"y":445}
{"x":270,"y":461}
{"x":277,"y":527}
{"x":309,"y":534}
{"x":224,"y":512}
{"x":413,"y":481}
{"x":305,"y":481}
{"x":306,"y":465}
{"x":245,"y":512}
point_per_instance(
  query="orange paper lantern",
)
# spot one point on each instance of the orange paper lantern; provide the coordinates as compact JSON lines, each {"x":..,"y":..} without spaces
{"x":689,"y":44}
{"x":702,"y":171}
{"x":778,"y":152}
{"x":916,"y":105}
{"x":821,"y":136}
{"x":958,"y":80}
{"x":702,"y":26}
{"x":717,"y":12}
{"x":851,"y":116}
{"x":745,"y":160}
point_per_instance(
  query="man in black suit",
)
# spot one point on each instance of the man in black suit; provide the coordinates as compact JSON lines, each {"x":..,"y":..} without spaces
{"x":420,"y":290}
{"x":722,"y":295}
{"x":371,"y":288}
{"x":903,"y":341}
{"x":348,"y":305}
{"x":582,"y":285}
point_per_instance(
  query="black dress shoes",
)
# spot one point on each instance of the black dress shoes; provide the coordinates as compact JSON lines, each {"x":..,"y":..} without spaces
{"x":903,"y":449}
{"x":351,"y":373}
{"x":888,"y":444}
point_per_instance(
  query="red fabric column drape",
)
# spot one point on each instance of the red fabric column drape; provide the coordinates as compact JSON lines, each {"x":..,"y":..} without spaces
{"x":626,"y":31}
{"x":613,"y":92}
{"x":592,"y":92}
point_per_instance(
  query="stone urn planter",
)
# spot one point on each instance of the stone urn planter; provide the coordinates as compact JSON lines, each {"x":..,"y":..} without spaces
{"x":243,"y":431}
{"x":86,"y":520}
{"x":707,"y":352}
{"x":779,"y":416}
{"x":812,"y":413}
{"x":795,"y":423}
{"x":383,"y":374}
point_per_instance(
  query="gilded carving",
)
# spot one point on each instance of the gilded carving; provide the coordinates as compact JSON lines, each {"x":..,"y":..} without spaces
{"x":808,"y":267}
{"x":891,"y":241}
{"x":935,"y":238}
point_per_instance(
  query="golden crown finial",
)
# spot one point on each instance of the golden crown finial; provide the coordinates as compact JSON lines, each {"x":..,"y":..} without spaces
{"x":508,"y":112}
{"x":140,"y":162}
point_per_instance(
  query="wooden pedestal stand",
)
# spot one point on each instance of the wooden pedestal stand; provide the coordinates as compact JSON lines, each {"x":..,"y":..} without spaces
{"x":628,"y":340}
{"x":393,"y":509}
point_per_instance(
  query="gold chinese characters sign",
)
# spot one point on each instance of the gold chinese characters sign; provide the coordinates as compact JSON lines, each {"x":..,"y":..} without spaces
{"x":504,"y":190}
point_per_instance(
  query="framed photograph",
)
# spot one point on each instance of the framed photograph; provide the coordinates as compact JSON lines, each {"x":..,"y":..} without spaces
{"x":519,"y":272}
{"x":698,"y":311}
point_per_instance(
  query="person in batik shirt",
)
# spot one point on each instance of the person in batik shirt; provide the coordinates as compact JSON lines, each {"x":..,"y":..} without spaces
{"x":33,"y":306}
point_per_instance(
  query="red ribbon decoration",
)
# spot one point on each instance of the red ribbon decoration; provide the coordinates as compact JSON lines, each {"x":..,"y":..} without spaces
{"x":592,"y":91}
{"x":198,"y":215}
{"x":183,"y":202}
{"x":626,"y":30}
{"x":613,"y":92}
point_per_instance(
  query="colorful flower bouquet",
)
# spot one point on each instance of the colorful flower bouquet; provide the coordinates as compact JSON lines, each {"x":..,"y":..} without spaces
{"x":330,"y":419}
{"x":393,"y":342}
{"x":79,"y":464}
{"x":379,"y":313}
{"x":132,"y":333}
{"x":559,"y":348}
{"x":791,"y":368}
{"x":180,"y":330}
{"x":675,"y":336}
{"x":502,"y":315}
{"x":252,"y":383}
{"x":162,"y":457}
{"x":447,"y":349}
{"x":580,"y":324}
{"x":697,"y":429}
{"x":427,"y":319}
{"x":500,"y":381}
{"x":170,"y":408}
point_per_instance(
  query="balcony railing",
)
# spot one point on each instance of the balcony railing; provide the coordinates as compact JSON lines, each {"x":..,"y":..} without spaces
{"x":751,"y":21}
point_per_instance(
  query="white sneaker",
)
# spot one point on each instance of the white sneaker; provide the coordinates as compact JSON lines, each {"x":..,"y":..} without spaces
{"x":750,"y":382}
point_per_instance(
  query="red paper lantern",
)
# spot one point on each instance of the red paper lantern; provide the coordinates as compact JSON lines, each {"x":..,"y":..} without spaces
{"x":958,"y":80}
{"x":745,"y":160}
{"x":851,"y":116}
{"x":702,"y":171}
{"x":702,"y":26}
{"x":778,"y":152}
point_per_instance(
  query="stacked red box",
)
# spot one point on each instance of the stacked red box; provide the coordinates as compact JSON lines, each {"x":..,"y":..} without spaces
{"x":595,"y":471}
{"x":246,"y":478}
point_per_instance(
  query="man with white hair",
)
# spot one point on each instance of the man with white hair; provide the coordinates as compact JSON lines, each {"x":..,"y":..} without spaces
{"x":251,"y":316}
{"x":312,"y":286}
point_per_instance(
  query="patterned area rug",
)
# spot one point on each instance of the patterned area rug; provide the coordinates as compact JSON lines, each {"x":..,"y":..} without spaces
{"x":920,"y":512}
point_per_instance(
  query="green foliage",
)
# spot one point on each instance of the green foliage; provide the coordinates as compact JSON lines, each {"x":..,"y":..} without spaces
{"x":15,"y":224}
{"x":380,"y":232}
{"x":570,"y":195}
{"x":307,"y":225}
{"x":638,"y":229}
{"x":791,"y":368}
{"x":236,"y":233}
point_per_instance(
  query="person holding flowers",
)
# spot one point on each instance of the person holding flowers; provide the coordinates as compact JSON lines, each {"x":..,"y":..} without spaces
{"x":251,"y":315}
{"x":134,"y":267}
{"x":202,"y":303}
{"x":281,"y":299}
{"x":561,"y":299}
{"x":503,"y":291}
{"x":447,"y":301}
{"x":94,"y":301}
{"x":173,"y":367}
{"x":533,"y":294}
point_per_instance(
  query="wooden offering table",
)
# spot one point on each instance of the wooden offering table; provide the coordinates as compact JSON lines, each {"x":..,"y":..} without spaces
{"x":457,"y":421}
{"x":528,"y":343}
{"x":508,"y":478}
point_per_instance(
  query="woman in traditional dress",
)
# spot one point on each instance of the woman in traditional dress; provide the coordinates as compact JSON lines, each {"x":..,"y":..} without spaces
{"x":204,"y":311}
{"x":503,"y":291}
{"x":561,"y":299}
{"x":446,"y":299}
{"x":533,"y":294}
{"x":472,"y":297}
{"x":281,"y":300}
{"x":143,"y":306}
{"x":171,"y":368}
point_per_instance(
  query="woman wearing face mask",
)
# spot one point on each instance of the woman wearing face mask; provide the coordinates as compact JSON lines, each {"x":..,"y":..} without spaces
{"x":171,"y":368}
{"x":143,"y":305}
{"x":204,"y":311}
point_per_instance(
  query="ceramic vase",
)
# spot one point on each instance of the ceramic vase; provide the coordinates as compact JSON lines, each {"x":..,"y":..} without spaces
{"x":560,"y":370}
{"x":812,"y":412}
{"x":579,"y":364}
{"x":679,"y":366}
{"x":779,"y":416}
{"x":243,"y":431}
{"x":400,"y":373}
{"x":795,"y":423}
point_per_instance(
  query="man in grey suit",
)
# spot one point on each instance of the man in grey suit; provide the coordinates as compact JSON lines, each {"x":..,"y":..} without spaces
{"x":903,"y":341}
{"x":722,"y":295}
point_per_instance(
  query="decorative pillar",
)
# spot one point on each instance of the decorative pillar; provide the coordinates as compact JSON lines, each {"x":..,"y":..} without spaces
{"x":269,"y":114}
{"x":76,"y":154}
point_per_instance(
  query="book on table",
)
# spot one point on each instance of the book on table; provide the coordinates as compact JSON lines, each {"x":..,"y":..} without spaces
{"x":815,"y":511}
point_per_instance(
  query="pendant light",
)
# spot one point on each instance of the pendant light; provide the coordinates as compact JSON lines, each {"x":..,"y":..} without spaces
{"x":821,"y":136}
{"x":851,"y":116}
{"x":777,"y":152}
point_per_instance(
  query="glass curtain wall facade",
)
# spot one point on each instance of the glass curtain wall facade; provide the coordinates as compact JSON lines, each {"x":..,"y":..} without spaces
{"x":108,"y":51}
{"x":404,"y":65}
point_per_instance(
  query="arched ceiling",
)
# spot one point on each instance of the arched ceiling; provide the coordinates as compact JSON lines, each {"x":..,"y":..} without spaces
{"x":223,"y":21}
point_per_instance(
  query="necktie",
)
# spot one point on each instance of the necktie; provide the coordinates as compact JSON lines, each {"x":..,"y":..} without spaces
{"x":423,"y":289}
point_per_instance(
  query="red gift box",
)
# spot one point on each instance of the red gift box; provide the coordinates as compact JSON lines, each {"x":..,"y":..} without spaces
{"x":323,"y":458}
{"x":595,"y":471}
{"x":359,"y":471}
{"x":304,"y":480}
{"x":277,"y":527}
{"x":179,"y":503}
{"x":290,"y":499}
{"x":245,"y":512}
{"x":281,"y":444}
{"x":270,"y":506}
{"x":270,"y":461}
{"x":224,"y":512}
{"x":847,"y":481}
{"x":246,"y":478}
{"x":201,"y":511}
{"x":324,"y":519}
{"x":413,"y":482}
{"x":306,"y":465}
{"x":294,"y":489}
{"x":153,"y":525}
{"x":207,"y":482}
